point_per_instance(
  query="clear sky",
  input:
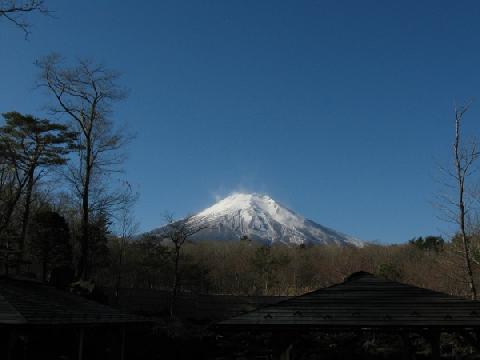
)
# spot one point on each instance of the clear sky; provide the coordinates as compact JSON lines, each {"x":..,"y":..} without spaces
{"x":340,"y":110}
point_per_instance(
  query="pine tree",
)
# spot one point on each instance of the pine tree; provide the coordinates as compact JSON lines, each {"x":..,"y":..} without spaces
{"x":50,"y":241}
{"x":29,"y":146}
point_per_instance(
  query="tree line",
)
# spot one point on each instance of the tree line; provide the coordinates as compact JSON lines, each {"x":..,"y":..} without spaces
{"x":244,"y":267}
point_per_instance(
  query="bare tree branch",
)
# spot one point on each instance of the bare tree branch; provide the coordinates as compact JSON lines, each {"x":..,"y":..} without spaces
{"x":464,"y":159}
{"x":16,"y":11}
{"x":178,"y":232}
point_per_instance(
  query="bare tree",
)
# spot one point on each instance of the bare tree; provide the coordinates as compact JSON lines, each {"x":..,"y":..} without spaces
{"x":178,"y":233}
{"x":85,"y":94}
{"x":127,"y":227}
{"x":456,"y":203}
{"x":16,"y":11}
{"x":465,"y":158}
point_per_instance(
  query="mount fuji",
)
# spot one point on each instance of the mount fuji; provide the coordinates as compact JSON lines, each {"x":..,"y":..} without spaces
{"x":262,"y":219}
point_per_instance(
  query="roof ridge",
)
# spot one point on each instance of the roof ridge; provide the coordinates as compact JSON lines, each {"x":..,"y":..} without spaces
{"x":373,"y":290}
{"x":358,"y":275}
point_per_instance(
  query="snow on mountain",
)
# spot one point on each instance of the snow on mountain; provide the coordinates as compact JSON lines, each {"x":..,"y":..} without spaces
{"x":261,"y":218}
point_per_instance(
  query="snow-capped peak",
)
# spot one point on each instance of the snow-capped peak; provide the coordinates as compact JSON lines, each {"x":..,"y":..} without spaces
{"x":261,"y":218}
{"x":250,"y":203}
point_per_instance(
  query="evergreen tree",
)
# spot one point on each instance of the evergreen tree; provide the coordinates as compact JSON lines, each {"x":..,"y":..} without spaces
{"x":433,"y":243}
{"x":98,"y":243}
{"x":50,"y":241}
{"x":28,"y":146}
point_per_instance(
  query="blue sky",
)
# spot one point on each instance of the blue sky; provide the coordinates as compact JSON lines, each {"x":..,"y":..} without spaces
{"x":342,"y":110}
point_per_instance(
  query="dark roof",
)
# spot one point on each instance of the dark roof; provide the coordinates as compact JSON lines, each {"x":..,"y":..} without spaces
{"x":363,"y":301}
{"x":26,"y":302}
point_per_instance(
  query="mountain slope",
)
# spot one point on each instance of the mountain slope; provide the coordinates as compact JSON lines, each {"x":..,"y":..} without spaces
{"x":261,"y":218}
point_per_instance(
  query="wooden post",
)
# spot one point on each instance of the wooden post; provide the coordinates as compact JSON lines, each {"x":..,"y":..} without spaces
{"x":285,"y":354}
{"x":81,"y":336}
{"x":12,"y":337}
{"x":25,"y":347}
{"x":434,"y":338}
{"x":122,"y":344}
{"x":282,"y":346}
{"x":407,"y":348}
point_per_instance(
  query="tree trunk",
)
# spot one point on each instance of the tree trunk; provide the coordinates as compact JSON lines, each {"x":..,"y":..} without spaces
{"x":11,"y":207}
{"x":83,"y":272}
{"x":175,"y":283}
{"x":120,"y":266}
{"x":44,"y":270}
{"x":461,"y":174}
{"x":266,"y":283}
{"x":26,"y":213}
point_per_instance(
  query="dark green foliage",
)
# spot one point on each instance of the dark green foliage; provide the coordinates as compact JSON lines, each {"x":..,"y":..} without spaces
{"x":28,"y":146}
{"x":433,"y":243}
{"x":98,"y":244}
{"x":50,"y":241}
{"x":27,"y":141}
{"x":389,"y":271}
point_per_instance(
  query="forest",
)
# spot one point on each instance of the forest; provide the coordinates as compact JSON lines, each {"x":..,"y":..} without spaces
{"x":246,"y":268}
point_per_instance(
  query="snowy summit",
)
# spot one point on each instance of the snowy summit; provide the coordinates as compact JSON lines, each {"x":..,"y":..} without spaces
{"x":261,"y":218}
